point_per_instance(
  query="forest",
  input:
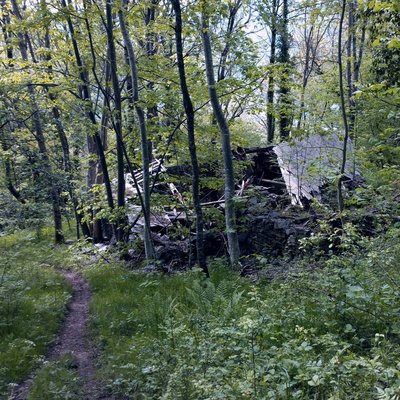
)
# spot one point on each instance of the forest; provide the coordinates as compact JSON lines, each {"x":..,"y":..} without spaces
{"x":199,"y":199}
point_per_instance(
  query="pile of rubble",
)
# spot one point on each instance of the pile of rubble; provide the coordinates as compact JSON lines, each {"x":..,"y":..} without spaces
{"x":276,"y":188}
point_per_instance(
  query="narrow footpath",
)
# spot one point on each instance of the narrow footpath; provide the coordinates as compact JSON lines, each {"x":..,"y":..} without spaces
{"x":73,"y":339}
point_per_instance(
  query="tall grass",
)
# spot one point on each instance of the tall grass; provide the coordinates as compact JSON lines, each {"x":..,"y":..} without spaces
{"x":57,"y":380}
{"x":33,"y":297}
{"x":330,"y":334}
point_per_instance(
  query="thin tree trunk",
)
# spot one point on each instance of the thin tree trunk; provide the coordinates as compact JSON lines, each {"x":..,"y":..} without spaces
{"x":65,"y":148}
{"x":222,"y":65}
{"x":117,"y":121}
{"x":151,"y":49}
{"x":358,"y":60}
{"x":131,"y":105}
{"x":94,"y":140}
{"x":148,"y":244}
{"x":349,"y":72}
{"x":10,"y":186}
{"x":306,"y":72}
{"x":40,"y":139}
{"x":8,"y":175}
{"x":284,"y":90}
{"x":344,"y":113}
{"x":7,"y":164}
{"x":188,"y":105}
{"x":230,"y":214}
{"x":271,"y":84}
{"x":101,"y":227}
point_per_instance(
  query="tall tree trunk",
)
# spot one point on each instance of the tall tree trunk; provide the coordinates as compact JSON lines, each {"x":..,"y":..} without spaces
{"x":148,"y":244}
{"x":40,"y":139}
{"x":8,"y":172}
{"x":230,"y":214}
{"x":151,"y":49}
{"x":95,"y":145}
{"x":351,"y":41}
{"x":271,"y":78}
{"x":306,"y":72}
{"x":64,"y":145}
{"x":5,"y":146}
{"x":284,"y":90}
{"x":222,"y":65}
{"x":188,"y":105}
{"x":101,"y":227}
{"x":353,"y":65}
{"x":344,"y":113}
{"x":117,"y":121}
{"x":358,"y":58}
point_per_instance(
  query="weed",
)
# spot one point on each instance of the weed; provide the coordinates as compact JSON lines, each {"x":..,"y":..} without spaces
{"x":56,"y":381}
{"x":330,"y":334}
{"x":33,"y":297}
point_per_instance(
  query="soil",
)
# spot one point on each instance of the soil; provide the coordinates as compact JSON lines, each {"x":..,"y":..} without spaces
{"x":73,"y":340}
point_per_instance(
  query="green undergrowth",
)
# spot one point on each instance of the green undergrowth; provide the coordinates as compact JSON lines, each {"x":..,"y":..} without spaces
{"x":330,"y":334}
{"x":33,"y":297}
{"x":57,"y":380}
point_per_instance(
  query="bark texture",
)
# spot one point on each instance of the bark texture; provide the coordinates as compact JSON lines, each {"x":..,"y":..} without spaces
{"x":148,"y":244}
{"x":40,"y":139}
{"x":117,"y":121}
{"x":230,"y":214}
{"x":189,"y":111}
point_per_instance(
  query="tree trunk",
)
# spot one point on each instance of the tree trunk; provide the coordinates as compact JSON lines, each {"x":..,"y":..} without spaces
{"x":351,"y":41}
{"x":8,"y":175}
{"x":189,"y":111}
{"x":101,"y":227}
{"x":117,"y":122}
{"x":284,"y":90}
{"x":222,"y":65}
{"x":7,"y":164}
{"x":40,"y":139}
{"x":308,"y":63}
{"x":151,"y":49}
{"x":94,"y":140}
{"x":230,"y":214}
{"x":148,"y":244}
{"x":65,"y":149}
{"x":271,"y":78}
{"x":344,"y":113}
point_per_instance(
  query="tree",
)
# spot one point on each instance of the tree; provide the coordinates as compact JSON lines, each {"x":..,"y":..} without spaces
{"x":316,"y":21}
{"x":148,"y":244}
{"x":94,"y":141}
{"x":23,"y":42}
{"x":230,"y":213}
{"x":284,"y":85}
{"x":117,"y":121}
{"x":188,"y":105}
{"x":344,"y":114}
{"x":270,"y":16}
{"x":56,"y":112}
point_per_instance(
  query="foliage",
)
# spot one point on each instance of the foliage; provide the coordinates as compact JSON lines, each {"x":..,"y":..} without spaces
{"x":33,"y":297}
{"x":48,"y":84}
{"x":333,"y":333}
{"x":329,"y":333}
{"x":56,"y":381}
{"x":386,"y":42}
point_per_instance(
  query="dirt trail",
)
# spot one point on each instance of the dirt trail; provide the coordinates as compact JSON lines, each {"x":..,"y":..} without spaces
{"x":73,"y":339}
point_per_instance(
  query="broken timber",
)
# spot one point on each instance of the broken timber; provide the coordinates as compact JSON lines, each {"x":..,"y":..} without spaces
{"x":154,"y":168}
{"x":299,"y":169}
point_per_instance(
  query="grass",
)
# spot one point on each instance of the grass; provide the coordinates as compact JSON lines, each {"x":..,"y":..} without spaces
{"x":331,"y":334}
{"x":129,"y":310}
{"x":33,"y":297}
{"x":56,"y":381}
